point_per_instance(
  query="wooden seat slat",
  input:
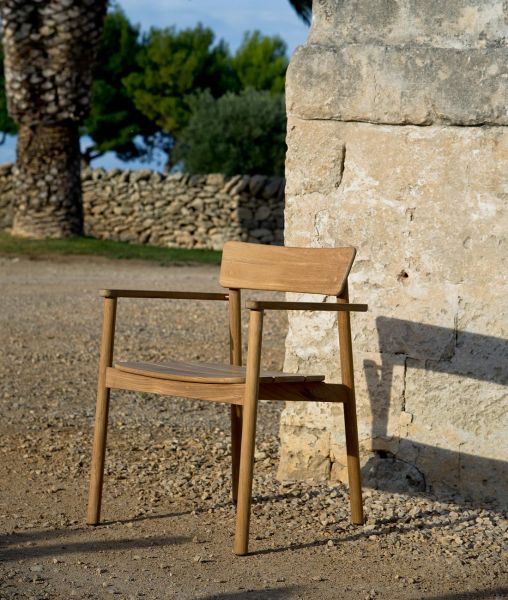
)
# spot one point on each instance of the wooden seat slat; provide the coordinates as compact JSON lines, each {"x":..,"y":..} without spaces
{"x":208,"y":372}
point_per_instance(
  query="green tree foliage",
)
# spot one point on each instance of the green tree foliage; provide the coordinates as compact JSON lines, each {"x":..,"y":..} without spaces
{"x":7,"y":125}
{"x":115,"y":123}
{"x":261,"y":62}
{"x":236,"y":133}
{"x":142,"y":83}
{"x":174,"y":64}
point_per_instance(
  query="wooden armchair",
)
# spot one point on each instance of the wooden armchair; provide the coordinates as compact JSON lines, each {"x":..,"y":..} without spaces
{"x":250,"y":266}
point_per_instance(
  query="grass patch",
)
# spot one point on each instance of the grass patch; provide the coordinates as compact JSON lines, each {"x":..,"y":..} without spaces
{"x":86,"y":246}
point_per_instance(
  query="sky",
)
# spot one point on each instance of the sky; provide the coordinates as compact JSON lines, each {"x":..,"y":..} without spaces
{"x":229,"y":19}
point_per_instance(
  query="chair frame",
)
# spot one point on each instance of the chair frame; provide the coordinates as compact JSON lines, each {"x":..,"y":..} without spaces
{"x":243,"y":397}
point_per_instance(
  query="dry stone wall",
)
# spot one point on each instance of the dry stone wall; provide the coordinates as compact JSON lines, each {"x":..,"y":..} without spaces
{"x":6,"y":196}
{"x":398,"y":145}
{"x":177,"y":210}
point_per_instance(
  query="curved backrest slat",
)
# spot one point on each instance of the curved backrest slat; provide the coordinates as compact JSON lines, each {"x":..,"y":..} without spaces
{"x":283,"y":269}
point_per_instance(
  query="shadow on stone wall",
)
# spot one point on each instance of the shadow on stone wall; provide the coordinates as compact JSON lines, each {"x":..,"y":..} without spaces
{"x":405,"y":464}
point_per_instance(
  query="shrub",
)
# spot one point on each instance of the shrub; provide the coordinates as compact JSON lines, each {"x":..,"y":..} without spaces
{"x":236,"y":133}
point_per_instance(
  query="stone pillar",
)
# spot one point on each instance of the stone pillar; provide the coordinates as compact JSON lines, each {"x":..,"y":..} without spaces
{"x":398,"y":145}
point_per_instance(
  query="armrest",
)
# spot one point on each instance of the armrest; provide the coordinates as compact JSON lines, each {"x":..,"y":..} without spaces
{"x":163,"y":294}
{"x":323,"y":306}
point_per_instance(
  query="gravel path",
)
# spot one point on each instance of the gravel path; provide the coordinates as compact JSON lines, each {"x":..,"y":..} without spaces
{"x":168,"y":520}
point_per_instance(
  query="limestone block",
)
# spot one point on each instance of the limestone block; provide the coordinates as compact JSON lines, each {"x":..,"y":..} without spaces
{"x":418,"y":85}
{"x":391,"y":220}
{"x":450,"y":24}
{"x":442,"y":399}
{"x":459,"y":429}
{"x":216,"y":180}
{"x":304,"y":465}
{"x":315,"y":158}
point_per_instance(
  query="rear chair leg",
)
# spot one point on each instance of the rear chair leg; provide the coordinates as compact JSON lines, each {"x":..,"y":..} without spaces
{"x":101,"y":414}
{"x":235,"y":335}
{"x":236,"y":445}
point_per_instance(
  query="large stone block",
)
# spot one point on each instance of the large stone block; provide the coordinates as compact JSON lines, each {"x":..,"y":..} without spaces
{"x":397,"y":85}
{"x":458,"y":428}
{"x":450,"y":24}
{"x":389,"y":209}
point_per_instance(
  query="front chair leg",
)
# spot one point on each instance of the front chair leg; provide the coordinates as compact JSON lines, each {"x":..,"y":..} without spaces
{"x":241,"y":546}
{"x":352,"y":447}
{"x":353,"y":463}
{"x":101,"y":414}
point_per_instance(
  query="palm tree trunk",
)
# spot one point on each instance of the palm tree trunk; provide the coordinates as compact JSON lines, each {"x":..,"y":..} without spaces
{"x":48,"y":184}
{"x":50,"y":49}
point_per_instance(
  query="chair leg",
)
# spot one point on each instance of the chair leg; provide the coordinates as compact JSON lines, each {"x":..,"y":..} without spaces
{"x":236,"y":445}
{"x":352,"y":447}
{"x":101,"y":414}
{"x":241,"y":545}
{"x":98,"y":457}
{"x":353,"y":464}
{"x":245,"y":479}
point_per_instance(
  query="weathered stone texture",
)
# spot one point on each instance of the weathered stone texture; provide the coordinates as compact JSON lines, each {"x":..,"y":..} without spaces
{"x":200,"y":211}
{"x":459,"y":24}
{"x":394,"y":85}
{"x":426,"y":209}
{"x":6,"y":195}
{"x":403,"y":62}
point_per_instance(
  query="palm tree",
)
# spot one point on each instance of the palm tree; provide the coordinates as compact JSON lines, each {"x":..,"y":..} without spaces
{"x":303,"y":9}
{"x":50,"y":48}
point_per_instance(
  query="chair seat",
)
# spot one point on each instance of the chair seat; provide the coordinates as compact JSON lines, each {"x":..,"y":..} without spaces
{"x":208,"y":372}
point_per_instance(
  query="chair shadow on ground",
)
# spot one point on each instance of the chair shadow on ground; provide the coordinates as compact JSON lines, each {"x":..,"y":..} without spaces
{"x":384,"y":527}
{"x":59,"y":543}
{"x":492,"y":594}
{"x":204,"y":509}
{"x":408,"y":345}
{"x":278,"y":593}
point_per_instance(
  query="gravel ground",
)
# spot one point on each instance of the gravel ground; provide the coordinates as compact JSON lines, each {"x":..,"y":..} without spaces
{"x":168,"y":522}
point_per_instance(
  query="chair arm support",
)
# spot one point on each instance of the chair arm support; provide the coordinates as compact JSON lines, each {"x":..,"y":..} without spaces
{"x":322,"y":306}
{"x":163,"y":294}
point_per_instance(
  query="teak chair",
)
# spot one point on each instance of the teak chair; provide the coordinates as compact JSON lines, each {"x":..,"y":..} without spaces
{"x":250,"y":266}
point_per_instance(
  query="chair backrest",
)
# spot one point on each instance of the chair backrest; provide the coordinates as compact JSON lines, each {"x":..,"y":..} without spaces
{"x":283,"y":269}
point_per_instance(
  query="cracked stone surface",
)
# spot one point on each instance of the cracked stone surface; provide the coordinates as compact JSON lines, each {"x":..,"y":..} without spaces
{"x":424,"y":203}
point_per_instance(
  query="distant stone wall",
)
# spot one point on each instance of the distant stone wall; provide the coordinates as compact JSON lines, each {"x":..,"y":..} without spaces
{"x":177,"y":210}
{"x":6,"y":195}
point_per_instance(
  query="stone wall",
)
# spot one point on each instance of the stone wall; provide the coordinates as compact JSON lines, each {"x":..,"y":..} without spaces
{"x":6,"y":195}
{"x":199,"y":211}
{"x":398,"y":146}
